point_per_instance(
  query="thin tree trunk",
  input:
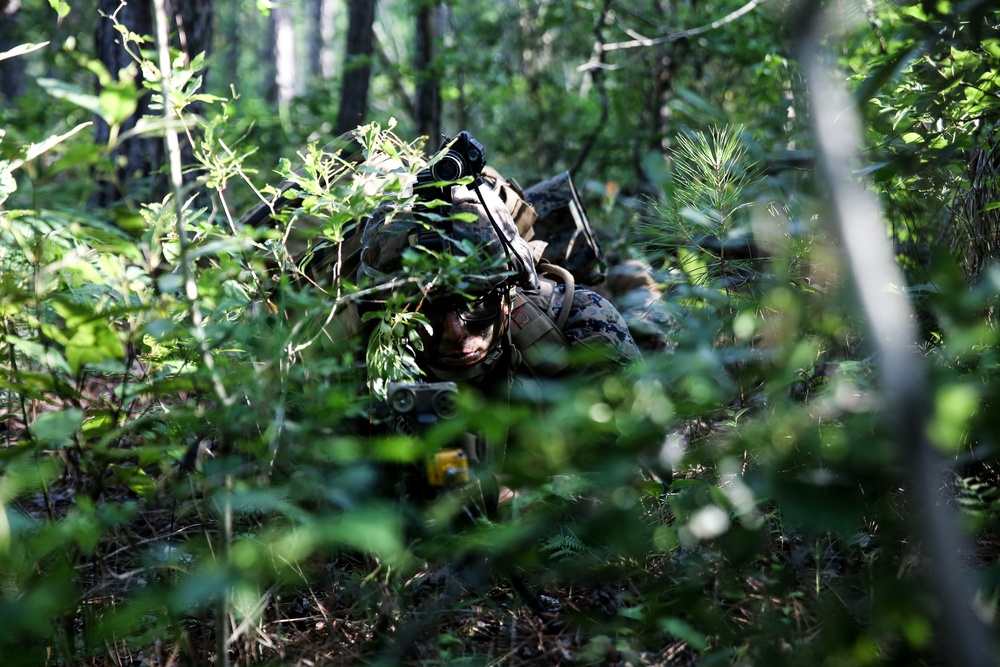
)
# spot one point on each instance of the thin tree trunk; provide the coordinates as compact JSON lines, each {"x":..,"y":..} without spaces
{"x":231,"y":38}
{"x":284,"y":54}
{"x":314,"y":40}
{"x":327,"y":32}
{"x":11,"y":69}
{"x":267,"y":56}
{"x":357,"y":65}
{"x":428,"y":97}
{"x":136,"y":160}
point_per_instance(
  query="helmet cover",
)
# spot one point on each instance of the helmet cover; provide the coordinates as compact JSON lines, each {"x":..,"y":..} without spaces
{"x":481,"y":219}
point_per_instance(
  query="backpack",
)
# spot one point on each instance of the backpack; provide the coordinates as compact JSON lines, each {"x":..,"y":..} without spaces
{"x":550,"y":217}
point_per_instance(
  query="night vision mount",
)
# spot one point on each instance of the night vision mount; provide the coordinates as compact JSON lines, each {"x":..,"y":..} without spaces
{"x":465,"y":157}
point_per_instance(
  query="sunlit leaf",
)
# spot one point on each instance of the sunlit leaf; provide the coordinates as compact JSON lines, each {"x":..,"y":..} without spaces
{"x":118,"y":101}
{"x":21,"y":50}
{"x":61,"y":7}
{"x":71,"y":93}
{"x":57,"y":428}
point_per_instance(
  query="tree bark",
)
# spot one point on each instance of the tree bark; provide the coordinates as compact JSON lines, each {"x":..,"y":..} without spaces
{"x":357,"y":65}
{"x":136,"y":160}
{"x":194,"y":25}
{"x":314,"y":40}
{"x":11,"y":69}
{"x":428,"y":98}
{"x":327,"y":58}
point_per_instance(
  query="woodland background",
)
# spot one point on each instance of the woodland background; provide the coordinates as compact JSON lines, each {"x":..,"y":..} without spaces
{"x":805,"y":474}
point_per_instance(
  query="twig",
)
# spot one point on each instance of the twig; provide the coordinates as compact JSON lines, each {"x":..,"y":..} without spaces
{"x":191,"y":291}
{"x":684,"y":34}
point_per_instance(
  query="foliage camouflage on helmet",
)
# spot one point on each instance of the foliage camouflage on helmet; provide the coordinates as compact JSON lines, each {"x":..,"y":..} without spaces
{"x":390,"y":232}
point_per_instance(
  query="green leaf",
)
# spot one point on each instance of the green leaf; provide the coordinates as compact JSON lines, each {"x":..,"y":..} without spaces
{"x":685,"y":632}
{"x":887,"y":71}
{"x":61,"y":7}
{"x":56,"y":429}
{"x":90,"y":339}
{"x":118,"y":101}
{"x":93,"y":343}
{"x":916,"y":11}
{"x":34,"y":150}
{"x":98,"y":423}
{"x":47,"y":356}
{"x":72,"y":93}
{"x":137,"y":480}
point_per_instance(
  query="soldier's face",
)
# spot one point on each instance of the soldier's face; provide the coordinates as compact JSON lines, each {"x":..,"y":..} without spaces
{"x":463,"y":331}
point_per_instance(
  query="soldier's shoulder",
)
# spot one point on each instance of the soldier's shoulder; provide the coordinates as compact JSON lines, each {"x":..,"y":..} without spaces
{"x":593,"y":319}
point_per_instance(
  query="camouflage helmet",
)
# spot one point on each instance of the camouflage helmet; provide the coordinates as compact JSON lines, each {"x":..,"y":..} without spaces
{"x":486,"y":226}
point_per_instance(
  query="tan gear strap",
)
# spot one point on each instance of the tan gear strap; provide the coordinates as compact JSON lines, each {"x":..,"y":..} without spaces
{"x":513,"y":198}
{"x":547,"y":268}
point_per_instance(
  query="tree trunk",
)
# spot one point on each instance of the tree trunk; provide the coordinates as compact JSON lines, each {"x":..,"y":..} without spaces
{"x":267,"y":56}
{"x":327,"y":32}
{"x":136,"y":160}
{"x":193,"y":23}
{"x":231,"y":40}
{"x":357,"y":65}
{"x":314,"y":40}
{"x":284,"y":54}
{"x":11,"y":69}
{"x":428,"y":98}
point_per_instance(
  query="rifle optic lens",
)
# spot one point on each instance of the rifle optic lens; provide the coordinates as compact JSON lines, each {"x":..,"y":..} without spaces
{"x":449,"y":168}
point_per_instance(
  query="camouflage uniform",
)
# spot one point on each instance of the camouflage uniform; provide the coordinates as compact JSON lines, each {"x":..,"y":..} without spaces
{"x":562,"y":224}
{"x":637,"y":296}
{"x":491,"y":236}
{"x":594,"y":321}
{"x":387,"y":235}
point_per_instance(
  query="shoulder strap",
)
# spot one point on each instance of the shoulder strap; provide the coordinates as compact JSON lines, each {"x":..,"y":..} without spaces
{"x":547,"y":268}
{"x":510,"y":192}
{"x":537,"y":326}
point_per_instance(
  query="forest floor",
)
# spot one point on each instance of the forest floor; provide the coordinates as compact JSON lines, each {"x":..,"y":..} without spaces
{"x":344,"y":612}
{"x":350,"y":610}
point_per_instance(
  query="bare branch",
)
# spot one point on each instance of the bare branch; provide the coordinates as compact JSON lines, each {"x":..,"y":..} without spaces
{"x":596,"y":68}
{"x":684,"y":34}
